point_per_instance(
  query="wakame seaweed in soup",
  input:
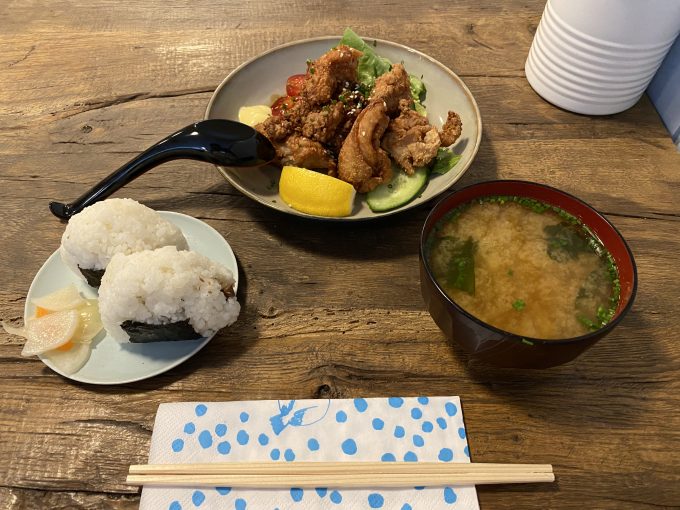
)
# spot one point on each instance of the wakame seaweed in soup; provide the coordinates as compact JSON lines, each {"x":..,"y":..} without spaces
{"x":525,"y":267}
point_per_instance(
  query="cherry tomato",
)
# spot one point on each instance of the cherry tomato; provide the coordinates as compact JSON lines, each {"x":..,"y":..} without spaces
{"x":294,"y":85}
{"x":281,"y":105}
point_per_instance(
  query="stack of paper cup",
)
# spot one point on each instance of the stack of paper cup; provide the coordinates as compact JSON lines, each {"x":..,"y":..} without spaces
{"x":598,"y":56}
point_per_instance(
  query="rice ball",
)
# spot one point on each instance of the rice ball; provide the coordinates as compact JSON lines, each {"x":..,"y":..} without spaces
{"x":165,"y":295}
{"x":117,"y":225}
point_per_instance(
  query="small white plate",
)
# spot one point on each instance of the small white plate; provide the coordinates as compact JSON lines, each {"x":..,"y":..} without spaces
{"x":110,"y":361}
{"x":263,"y":77}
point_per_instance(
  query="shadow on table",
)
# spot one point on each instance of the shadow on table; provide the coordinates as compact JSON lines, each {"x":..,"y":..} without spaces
{"x":613,"y":383}
{"x":521,"y":488}
{"x":221,"y":351}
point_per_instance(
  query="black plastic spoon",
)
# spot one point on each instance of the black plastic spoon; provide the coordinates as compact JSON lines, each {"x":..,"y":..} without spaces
{"x":217,"y":141}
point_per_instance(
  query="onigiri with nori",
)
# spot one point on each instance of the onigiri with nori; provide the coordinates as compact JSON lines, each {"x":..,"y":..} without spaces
{"x":116,"y":225}
{"x":166,"y":295}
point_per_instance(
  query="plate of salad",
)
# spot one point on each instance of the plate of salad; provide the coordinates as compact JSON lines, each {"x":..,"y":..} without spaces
{"x":270,"y":90}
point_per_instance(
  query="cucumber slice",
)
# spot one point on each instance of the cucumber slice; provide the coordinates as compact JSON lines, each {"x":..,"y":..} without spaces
{"x":399,"y":191}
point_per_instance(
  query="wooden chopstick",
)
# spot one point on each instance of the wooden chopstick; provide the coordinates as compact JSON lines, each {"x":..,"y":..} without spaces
{"x":243,"y":468}
{"x":267,"y":475}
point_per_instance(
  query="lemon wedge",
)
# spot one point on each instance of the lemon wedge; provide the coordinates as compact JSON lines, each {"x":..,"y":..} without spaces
{"x":315,"y":193}
{"x":65,"y":298}
{"x":50,"y":331}
{"x":252,"y":115}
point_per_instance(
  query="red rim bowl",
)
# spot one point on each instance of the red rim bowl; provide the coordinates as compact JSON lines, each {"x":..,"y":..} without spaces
{"x":501,"y":348}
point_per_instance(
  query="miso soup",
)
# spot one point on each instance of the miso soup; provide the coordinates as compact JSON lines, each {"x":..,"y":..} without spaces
{"x":524,"y":267}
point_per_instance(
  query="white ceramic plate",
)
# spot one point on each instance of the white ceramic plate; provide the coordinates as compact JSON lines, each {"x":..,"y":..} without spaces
{"x":112,"y":362}
{"x":256,"y":81}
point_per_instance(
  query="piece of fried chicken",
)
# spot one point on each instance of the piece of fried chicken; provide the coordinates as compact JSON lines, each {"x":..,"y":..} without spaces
{"x":412,"y":142}
{"x":410,"y":139}
{"x":362,"y":162}
{"x":392,"y":88}
{"x":305,"y":131}
{"x":327,"y":75}
{"x":299,"y":151}
{"x":451,"y":130}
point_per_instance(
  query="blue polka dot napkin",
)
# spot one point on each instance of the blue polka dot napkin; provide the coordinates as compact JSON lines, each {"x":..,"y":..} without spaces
{"x":428,"y":429}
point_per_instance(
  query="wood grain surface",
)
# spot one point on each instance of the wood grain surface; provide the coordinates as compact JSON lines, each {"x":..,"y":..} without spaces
{"x":330,"y":310}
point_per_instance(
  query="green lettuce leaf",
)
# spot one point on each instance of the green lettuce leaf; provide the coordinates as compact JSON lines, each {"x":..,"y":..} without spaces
{"x":444,"y":161}
{"x":371,"y":65}
{"x":418,"y":93}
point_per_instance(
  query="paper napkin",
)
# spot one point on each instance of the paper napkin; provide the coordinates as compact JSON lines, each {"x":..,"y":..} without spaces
{"x":428,"y":429}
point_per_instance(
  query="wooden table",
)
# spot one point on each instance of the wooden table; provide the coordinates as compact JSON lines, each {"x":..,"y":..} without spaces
{"x":330,"y":310}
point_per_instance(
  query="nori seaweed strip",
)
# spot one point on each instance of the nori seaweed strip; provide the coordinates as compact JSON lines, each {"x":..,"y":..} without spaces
{"x":93,"y":276}
{"x":140,"y":332}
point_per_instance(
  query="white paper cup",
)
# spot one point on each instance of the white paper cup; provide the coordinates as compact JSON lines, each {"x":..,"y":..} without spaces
{"x":598,"y":56}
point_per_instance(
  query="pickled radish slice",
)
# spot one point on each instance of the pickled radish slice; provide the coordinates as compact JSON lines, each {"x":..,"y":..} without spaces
{"x":65,"y":298}
{"x":90,"y":321}
{"x":13,"y":330}
{"x":62,"y":329}
{"x":71,"y":360}
{"x":50,"y":331}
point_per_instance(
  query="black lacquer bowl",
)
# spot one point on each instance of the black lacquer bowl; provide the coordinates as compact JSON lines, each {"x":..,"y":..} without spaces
{"x":494,"y":346}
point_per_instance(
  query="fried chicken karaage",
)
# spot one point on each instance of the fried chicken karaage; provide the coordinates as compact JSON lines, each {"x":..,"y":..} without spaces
{"x":332,"y":126}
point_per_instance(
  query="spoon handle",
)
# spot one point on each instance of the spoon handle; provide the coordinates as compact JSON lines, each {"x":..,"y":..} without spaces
{"x":215,"y":141}
{"x":116,"y":180}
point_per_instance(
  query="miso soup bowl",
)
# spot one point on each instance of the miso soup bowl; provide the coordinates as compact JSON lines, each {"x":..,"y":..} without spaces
{"x":494,"y":346}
